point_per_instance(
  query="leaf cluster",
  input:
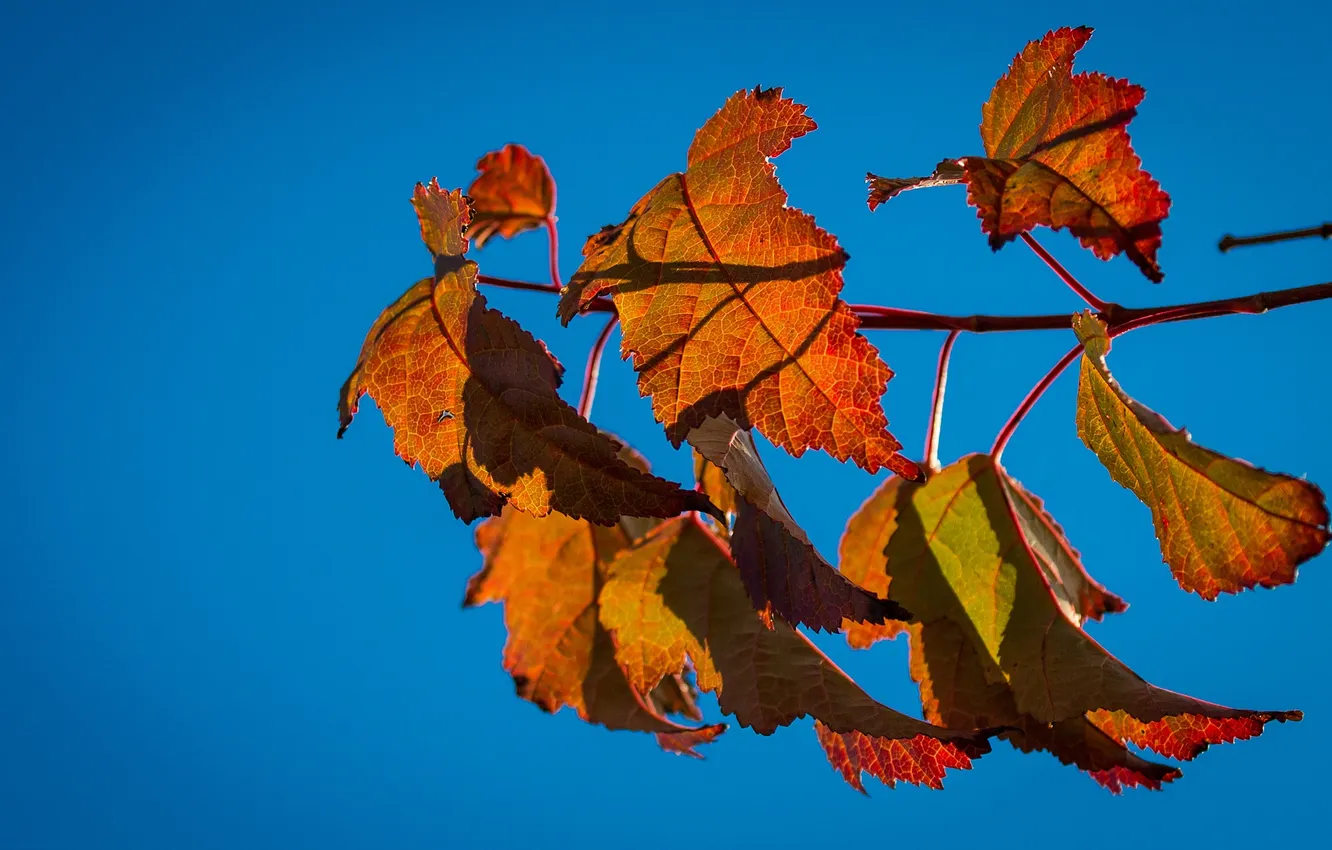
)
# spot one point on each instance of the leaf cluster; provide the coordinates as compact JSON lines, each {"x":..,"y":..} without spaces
{"x":626,"y":595}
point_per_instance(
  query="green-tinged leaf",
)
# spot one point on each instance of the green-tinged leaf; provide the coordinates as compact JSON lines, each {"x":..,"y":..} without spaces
{"x":999,"y":596}
{"x":1224,"y":525}
{"x":676,"y":594}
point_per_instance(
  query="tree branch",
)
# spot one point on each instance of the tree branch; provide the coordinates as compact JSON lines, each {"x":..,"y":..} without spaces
{"x":876,"y":318}
{"x":1227,"y":242}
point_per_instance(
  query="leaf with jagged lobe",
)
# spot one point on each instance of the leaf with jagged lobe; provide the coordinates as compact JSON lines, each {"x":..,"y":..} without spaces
{"x":1057,"y":154}
{"x":472,"y":398}
{"x":1224,"y":524}
{"x":782,"y":571}
{"x":675,"y":595}
{"x":1000,"y":598}
{"x":548,"y":571}
{"x":730,"y":302}
{"x":513,"y":192}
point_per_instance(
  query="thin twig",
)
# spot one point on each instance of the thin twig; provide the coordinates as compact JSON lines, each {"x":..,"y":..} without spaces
{"x":1227,"y":242}
{"x":553,"y":232}
{"x":937,"y":403}
{"x":593,"y":369}
{"x":1032,"y":397}
{"x":1083,"y":292}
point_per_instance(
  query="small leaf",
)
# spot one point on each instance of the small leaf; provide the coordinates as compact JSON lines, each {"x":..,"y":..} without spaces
{"x":547,"y":572}
{"x":676,"y":594}
{"x":1058,"y":155}
{"x":472,"y":398}
{"x":1000,"y":598}
{"x":781,"y":570}
{"x":514,"y":192}
{"x":1224,"y":525}
{"x":729,"y":302}
{"x":948,"y":172}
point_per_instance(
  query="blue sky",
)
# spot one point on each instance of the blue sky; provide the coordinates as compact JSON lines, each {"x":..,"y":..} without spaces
{"x":221,"y":627}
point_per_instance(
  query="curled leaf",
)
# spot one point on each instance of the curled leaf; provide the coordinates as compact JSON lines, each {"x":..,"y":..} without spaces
{"x":472,"y":398}
{"x":782,"y":571}
{"x":948,"y":172}
{"x":513,"y":192}
{"x":729,"y":299}
{"x":547,"y":572}
{"x":1224,"y":525}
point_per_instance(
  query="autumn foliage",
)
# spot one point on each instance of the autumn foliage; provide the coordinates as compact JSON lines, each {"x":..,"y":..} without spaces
{"x":626,"y":596}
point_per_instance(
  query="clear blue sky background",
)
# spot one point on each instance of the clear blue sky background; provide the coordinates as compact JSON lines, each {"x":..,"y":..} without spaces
{"x":220,"y":627}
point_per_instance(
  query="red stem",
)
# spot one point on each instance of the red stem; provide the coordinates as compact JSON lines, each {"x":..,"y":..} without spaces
{"x":593,"y":369}
{"x":553,"y":232}
{"x":873,"y":317}
{"x":1083,"y":292}
{"x":936,"y":404}
{"x":1032,"y":397}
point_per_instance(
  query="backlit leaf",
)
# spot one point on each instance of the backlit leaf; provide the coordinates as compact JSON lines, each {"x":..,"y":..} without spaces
{"x":1058,"y":154}
{"x":1224,"y":525}
{"x":472,"y":398}
{"x":780,"y":568}
{"x":729,"y":298}
{"x":1000,"y":599}
{"x":514,"y":192}
{"x":710,"y":480}
{"x":547,"y":572}
{"x":676,"y":594}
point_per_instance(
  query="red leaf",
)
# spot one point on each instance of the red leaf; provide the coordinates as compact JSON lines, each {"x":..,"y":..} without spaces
{"x":548,"y":572}
{"x":729,"y":298}
{"x":514,"y":192}
{"x":472,"y":398}
{"x":1057,"y":154}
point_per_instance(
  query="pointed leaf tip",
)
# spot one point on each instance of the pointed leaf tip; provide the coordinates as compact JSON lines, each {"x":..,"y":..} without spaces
{"x":1000,"y":597}
{"x":676,"y":594}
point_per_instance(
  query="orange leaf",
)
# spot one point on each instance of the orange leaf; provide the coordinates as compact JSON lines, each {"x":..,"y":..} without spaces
{"x":782,"y":571}
{"x":676,"y":594}
{"x":1057,"y":154}
{"x":514,"y":192}
{"x":1224,"y":525}
{"x":729,"y":298}
{"x":547,"y":572}
{"x":472,"y":398}
{"x":1000,"y":598}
